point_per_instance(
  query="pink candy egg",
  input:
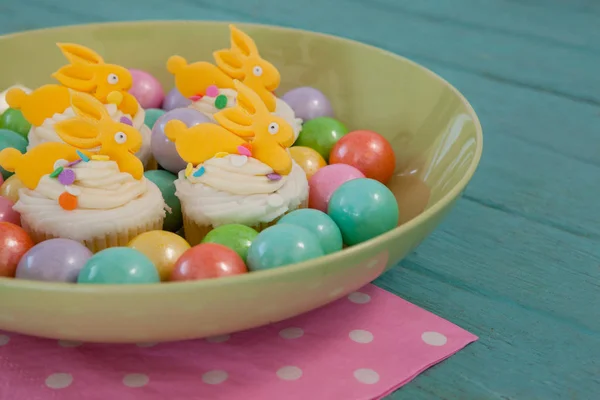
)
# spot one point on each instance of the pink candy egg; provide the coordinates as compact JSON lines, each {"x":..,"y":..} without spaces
{"x":7,"y":214}
{"x":326,"y":180}
{"x":146,"y":89}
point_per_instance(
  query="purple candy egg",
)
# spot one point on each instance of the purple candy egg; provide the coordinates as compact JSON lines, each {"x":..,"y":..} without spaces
{"x":174,"y":100}
{"x":308,"y":103}
{"x":146,"y":89}
{"x":162,"y":148}
{"x":54,"y":260}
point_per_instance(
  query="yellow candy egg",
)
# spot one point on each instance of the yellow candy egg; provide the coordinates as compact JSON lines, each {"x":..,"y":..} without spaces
{"x":162,"y":248}
{"x":310,"y":160}
{"x":10,"y":188}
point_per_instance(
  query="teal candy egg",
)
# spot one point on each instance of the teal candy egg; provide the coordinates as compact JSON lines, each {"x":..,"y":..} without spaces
{"x":320,"y":224}
{"x":152,"y":114}
{"x":235,"y":236}
{"x":13,"y":120}
{"x":363,"y":209}
{"x":166,"y":183}
{"x":11,"y":139}
{"x":281,"y":245}
{"x":118,"y":265}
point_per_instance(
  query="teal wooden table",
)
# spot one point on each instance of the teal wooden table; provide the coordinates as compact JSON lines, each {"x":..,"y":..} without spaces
{"x":518,"y":261}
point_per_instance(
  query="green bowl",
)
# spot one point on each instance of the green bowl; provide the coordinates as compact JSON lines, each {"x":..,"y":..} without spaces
{"x":433,"y":129}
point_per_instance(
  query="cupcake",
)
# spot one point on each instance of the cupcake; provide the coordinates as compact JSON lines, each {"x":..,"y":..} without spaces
{"x":239,"y":170}
{"x":211,"y":87}
{"x":102,"y":198}
{"x":87,"y":73}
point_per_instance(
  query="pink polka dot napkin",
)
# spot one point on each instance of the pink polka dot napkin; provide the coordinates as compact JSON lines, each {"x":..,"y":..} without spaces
{"x":361,"y":347}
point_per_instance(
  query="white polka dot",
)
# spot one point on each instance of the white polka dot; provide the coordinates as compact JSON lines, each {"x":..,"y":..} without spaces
{"x":361,"y":336}
{"x":291,"y":333}
{"x":359,"y":298}
{"x":336,"y":292}
{"x":434,"y":338}
{"x":289,"y":373}
{"x":148,"y":344}
{"x":215,"y":377}
{"x":4,"y":339}
{"x":135,"y":380}
{"x":69,"y":343}
{"x":366,"y":376}
{"x":218,"y":339}
{"x":59,"y":381}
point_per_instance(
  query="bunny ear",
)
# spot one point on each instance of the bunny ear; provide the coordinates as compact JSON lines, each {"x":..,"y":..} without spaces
{"x":78,"y":132}
{"x":229,"y":63}
{"x":249,"y":100}
{"x":87,"y":106}
{"x":236,"y":121}
{"x":77,"y":77}
{"x":77,"y":54}
{"x":242,"y":42}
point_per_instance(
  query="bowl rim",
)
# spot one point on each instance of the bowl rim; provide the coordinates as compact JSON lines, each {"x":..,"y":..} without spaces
{"x":156,"y":288}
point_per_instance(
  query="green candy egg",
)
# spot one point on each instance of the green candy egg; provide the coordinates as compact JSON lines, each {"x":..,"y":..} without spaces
{"x":11,"y":139}
{"x":166,"y":183}
{"x":235,"y":236}
{"x":13,"y":120}
{"x":321,"y":134}
{"x":320,"y":224}
{"x":118,"y":265}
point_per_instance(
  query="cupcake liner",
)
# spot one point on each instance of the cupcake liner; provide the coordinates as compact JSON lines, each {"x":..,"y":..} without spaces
{"x":95,"y":244}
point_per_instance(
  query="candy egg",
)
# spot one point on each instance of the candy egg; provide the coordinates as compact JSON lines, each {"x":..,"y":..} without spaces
{"x":174,"y":100}
{"x":163,"y":149}
{"x":321,"y":134}
{"x":7,"y":214}
{"x":308,"y":159}
{"x":10,"y":188}
{"x":166,"y":183}
{"x":208,"y":260}
{"x":281,"y":245}
{"x":363,"y":209}
{"x":13,"y":120}
{"x":8,"y":139}
{"x":152,"y":115}
{"x":320,"y":224}
{"x":234,"y":236}
{"x":308,"y":103}
{"x":54,"y":260}
{"x":14,"y":243}
{"x":118,"y":265}
{"x":368,"y":151}
{"x":162,"y":248}
{"x":326,"y":180}
{"x":146,"y":89}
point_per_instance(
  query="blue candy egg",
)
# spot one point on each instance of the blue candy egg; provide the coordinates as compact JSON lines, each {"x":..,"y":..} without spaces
{"x":320,"y":224}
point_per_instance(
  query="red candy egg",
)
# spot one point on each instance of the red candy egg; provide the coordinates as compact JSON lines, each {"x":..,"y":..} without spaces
{"x":14,"y":243}
{"x":367,"y":151}
{"x":207,"y":260}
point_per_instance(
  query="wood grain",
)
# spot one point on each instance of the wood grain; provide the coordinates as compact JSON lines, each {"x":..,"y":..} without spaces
{"x":518,"y":261}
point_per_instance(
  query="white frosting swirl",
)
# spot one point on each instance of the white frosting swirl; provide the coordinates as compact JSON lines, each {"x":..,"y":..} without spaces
{"x":206,"y":105}
{"x":231,"y":191}
{"x":109,"y":201}
{"x":46,"y":132}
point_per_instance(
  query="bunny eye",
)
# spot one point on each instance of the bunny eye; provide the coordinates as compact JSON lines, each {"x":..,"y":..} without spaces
{"x":273,"y":128}
{"x":257,"y":71}
{"x":112,"y":79}
{"x":120,"y":137}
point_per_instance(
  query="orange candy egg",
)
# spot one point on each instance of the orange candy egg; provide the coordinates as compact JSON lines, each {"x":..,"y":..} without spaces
{"x":310,"y":160}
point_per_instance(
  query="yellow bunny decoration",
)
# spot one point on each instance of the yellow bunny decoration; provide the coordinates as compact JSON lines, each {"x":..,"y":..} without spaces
{"x":241,"y":62}
{"x":91,"y":128}
{"x":86,"y":73}
{"x":249,"y":122}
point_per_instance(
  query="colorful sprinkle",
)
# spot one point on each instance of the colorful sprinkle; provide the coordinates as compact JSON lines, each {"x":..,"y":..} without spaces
{"x":212,"y":91}
{"x":244,"y":151}
{"x":60,"y":163}
{"x":221,"y":154}
{"x":221,"y":101}
{"x":196,"y":97}
{"x":66,"y":177}
{"x":274,"y":177}
{"x":188,"y":170}
{"x":237,"y":160}
{"x":127,"y":121}
{"x":67,"y":201}
{"x":100,"y":157}
{"x":199,"y":172}
{"x":82,"y":156}
{"x":73,"y":190}
{"x":73,"y":163}
{"x":56,"y":172}
{"x":248,"y":146}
